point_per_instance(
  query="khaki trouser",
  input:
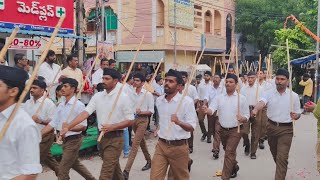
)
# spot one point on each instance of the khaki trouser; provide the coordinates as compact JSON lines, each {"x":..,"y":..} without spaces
{"x":216,"y":134}
{"x":230,"y":140}
{"x":279,"y":140}
{"x":111,"y":149}
{"x":70,"y":160}
{"x":201,"y":117}
{"x":139,"y":128}
{"x":263,"y":119}
{"x":257,"y":126}
{"x":45,"y":153}
{"x":175,"y":156}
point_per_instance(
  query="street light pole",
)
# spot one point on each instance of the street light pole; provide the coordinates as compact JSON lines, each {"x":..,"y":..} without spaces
{"x":102,"y":20}
{"x":317,"y":57}
{"x":175,"y":32}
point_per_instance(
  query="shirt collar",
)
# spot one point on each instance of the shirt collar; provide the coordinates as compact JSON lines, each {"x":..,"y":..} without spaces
{"x":176,"y":98}
{"x":7,"y":112}
{"x":42,"y":98}
{"x":234,"y":94}
{"x":70,"y":102}
{"x":115,"y":90}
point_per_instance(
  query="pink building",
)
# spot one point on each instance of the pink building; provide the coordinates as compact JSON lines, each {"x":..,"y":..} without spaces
{"x":199,"y":23}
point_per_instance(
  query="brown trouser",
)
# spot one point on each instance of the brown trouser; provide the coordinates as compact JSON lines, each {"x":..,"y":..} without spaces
{"x":263,"y":119}
{"x":230,"y":140}
{"x":45,"y":153}
{"x":279,"y":140}
{"x":111,"y":149}
{"x":139,"y":128}
{"x":257,"y":126}
{"x":216,"y":133}
{"x":175,"y":156}
{"x":201,"y":117}
{"x":70,"y":160}
{"x":190,"y":141}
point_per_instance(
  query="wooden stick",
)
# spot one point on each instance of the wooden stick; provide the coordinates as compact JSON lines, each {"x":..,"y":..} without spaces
{"x":10,"y":40}
{"x":226,"y":72}
{"x":152,"y":79}
{"x":221,"y":70}
{"x":48,"y":90}
{"x":238,"y":86}
{"x":258,"y":85}
{"x":119,"y":92}
{"x":290,"y":82}
{"x":247,"y":65}
{"x":214,"y":66}
{"x":30,"y":81}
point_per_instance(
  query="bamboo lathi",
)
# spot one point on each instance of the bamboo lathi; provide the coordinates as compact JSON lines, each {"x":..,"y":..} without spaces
{"x":30,"y":81}
{"x":290,"y":82}
{"x":8,"y":42}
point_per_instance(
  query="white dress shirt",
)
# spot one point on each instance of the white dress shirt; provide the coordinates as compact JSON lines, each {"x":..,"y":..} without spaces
{"x":144,"y":100}
{"x":46,"y":113}
{"x":265,"y":86}
{"x":203,"y":90}
{"x":49,"y":73}
{"x":102,"y":103}
{"x":19,"y":148}
{"x":250,"y":93}
{"x":129,"y":90}
{"x":192,"y":92}
{"x":278,"y":106}
{"x":227,"y":107}
{"x":62,"y":114}
{"x":186,"y":113}
{"x":97,"y":77}
{"x":214,"y":92}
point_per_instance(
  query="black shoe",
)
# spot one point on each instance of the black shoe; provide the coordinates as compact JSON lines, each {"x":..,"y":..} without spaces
{"x":253,"y":156}
{"x":125,"y":175}
{"x":247,"y":150}
{"x":147,"y":166}
{"x":209,"y":140}
{"x":235,"y":172}
{"x":190,"y":150}
{"x":215,"y":155}
{"x":203,"y":137}
{"x":189,"y":164}
{"x":261,"y":145}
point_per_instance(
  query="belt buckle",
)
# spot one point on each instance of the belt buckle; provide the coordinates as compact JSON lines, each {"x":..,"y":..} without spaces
{"x":168,"y":142}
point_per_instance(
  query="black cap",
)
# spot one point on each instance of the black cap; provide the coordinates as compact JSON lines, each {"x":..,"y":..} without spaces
{"x":14,"y":75}
{"x":176,"y":74}
{"x":72,"y":82}
{"x":252,"y":73}
{"x":140,"y":76}
{"x":232,"y":76}
{"x":283,"y":72}
{"x":208,"y":73}
{"x":112,"y":72}
{"x":184,"y":73}
{"x":40,"y":83}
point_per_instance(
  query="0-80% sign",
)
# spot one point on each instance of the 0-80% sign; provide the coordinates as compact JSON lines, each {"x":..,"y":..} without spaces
{"x":25,"y":43}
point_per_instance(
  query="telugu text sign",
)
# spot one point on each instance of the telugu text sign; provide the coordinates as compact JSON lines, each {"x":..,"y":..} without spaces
{"x":37,"y":15}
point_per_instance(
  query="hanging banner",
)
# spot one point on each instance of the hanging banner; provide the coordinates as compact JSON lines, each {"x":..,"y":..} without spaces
{"x":25,"y":43}
{"x":184,"y":13}
{"x":37,"y":15}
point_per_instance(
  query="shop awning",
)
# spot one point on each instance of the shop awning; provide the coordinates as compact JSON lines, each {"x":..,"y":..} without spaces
{"x":304,"y":60}
{"x":41,"y":33}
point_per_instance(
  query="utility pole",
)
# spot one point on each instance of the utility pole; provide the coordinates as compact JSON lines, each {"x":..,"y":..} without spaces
{"x":79,"y":21}
{"x":97,"y":25}
{"x":317,"y":57}
{"x":103,"y":20}
{"x":175,"y":33}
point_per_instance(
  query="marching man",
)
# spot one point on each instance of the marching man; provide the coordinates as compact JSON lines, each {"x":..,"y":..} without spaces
{"x":42,"y":118}
{"x":73,"y":138}
{"x":174,"y":130}
{"x":231,"y":115}
{"x":280,"y":116}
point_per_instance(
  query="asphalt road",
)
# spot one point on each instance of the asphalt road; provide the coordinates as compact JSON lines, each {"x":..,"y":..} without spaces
{"x":302,"y":159}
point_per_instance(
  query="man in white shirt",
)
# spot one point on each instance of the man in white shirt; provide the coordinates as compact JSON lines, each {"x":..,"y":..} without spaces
{"x":214,"y":91}
{"x":48,"y":70}
{"x":123,"y":115}
{"x":42,"y":117}
{"x":158,"y":91}
{"x":281,"y":112}
{"x":112,"y":64}
{"x":19,"y":147}
{"x":232,"y":114}
{"x":69,"y":108}
{"x":193,"y":94}
{"x":174,"y":130}
{"x":250,"y":92}
{"x":203,"y":92}
{"x":97,"y":76}
{"x":144,"y":105}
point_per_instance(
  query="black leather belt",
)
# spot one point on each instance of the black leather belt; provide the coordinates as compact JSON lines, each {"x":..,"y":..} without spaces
{"x":175,"y":142}
{"x":279,"y":124}
{"x":72,"y":137}
{"x":228,"y":129}
{"x":113,"y":134}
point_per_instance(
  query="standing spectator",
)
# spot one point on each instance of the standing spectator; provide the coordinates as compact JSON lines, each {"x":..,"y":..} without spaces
{"x":72,"y":71}
{"x":97,"y":76}
{"x":48,"y":70}
{"x":20,"y":61}
{"x":112,"y":64}
{"x":307,"y":83}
